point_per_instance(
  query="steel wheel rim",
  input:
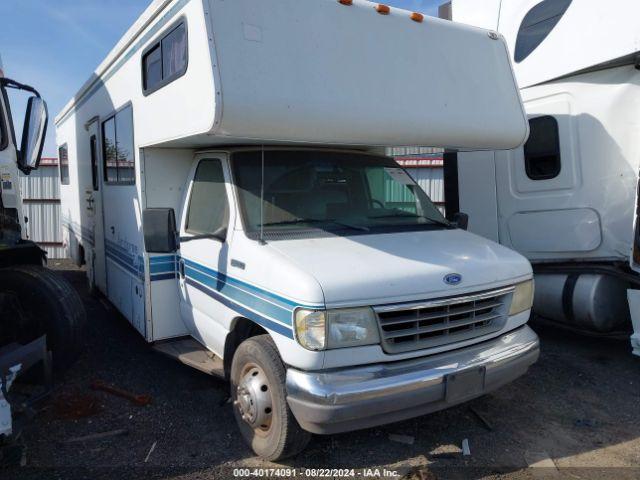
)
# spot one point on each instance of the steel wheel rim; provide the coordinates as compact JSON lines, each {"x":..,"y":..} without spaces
{"x":253,"y":399}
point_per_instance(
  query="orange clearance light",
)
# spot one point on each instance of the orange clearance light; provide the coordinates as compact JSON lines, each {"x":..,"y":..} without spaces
{"x":417,"y":17}
{"x":346,"y":2}
{"x":383,"y":9}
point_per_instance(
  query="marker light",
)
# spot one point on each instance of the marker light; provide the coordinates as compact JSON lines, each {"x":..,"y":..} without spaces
{"x":346,"y":2}
{"x":383,"y":9}
{"x":417,"y":17}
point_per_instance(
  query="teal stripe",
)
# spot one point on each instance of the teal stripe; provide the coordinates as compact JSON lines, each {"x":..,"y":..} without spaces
{"x":257,"y":304}
{"x":162,"y":267}
{"x":163,"y":259}
{"x":289,"y":304}
{"x":125,"y":58}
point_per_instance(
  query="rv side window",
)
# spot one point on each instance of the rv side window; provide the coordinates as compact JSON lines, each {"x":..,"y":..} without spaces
{"x":542,"y":150}
{"x":63,"y":159}
{"x":537,"y":25}
{"x":208,"y":207}
{"x":165,"y":60}
{"x":117,"y":148}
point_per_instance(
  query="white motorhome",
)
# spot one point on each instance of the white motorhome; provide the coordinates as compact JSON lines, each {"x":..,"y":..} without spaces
{"x":567,"y":199}
{"x":220,"y":178}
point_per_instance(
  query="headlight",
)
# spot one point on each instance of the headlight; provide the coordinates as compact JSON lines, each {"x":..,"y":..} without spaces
{"x":522,"y":298}
{"x":339,"y":328}
{"x":352,"y":327}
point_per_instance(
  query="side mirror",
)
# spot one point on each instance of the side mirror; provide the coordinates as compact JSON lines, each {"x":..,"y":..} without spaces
{"x":33,"y":134}
{"x":461,"y":220}
{"x":159,"y":230}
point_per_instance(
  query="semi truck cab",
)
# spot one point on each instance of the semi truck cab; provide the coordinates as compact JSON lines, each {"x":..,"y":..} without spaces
{"x":39,"y":311}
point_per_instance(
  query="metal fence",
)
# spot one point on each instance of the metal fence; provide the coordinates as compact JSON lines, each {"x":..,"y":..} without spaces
{"x":41,"y":200}
{"x":425,"y":165}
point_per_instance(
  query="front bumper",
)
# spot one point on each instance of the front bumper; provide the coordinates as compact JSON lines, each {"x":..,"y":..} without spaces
{"x":362,"y":397}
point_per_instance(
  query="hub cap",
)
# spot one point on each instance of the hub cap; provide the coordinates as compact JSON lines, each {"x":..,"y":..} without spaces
{"x":253,"y":398}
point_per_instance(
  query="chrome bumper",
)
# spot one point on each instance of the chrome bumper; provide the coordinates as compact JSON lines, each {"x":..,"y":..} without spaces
{"x":362,"y":397}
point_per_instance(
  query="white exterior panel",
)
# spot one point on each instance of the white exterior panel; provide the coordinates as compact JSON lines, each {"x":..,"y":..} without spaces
{"x":590,"y":33}
{"x":292,"y":71}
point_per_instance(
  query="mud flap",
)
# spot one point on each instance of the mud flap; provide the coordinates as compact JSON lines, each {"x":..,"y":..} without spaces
{"x":633,"y":297}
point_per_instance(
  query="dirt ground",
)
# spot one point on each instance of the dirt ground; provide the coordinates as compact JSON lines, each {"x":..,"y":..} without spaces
{"x":576,"y":414}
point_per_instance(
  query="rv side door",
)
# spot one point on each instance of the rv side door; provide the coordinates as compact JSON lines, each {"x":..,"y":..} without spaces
{"x":204,"y":234}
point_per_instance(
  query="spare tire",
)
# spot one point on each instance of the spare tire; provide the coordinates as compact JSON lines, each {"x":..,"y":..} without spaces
{"x":34,"y":301}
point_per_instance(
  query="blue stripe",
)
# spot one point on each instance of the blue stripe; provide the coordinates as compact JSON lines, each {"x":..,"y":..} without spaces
{"x":251,"y":288}
{"x":122,"y":264}
{"x":99,"y":82}
{"x":163,"y":259}
{"x":162,"y":267}
{"x":275,"y":312}
{"x":265,"y":322}
{"x":128,"y":259}
{"x":134,"y":264}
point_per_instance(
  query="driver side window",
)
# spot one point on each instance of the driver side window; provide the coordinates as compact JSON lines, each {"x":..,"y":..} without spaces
{"x":208,"y":210}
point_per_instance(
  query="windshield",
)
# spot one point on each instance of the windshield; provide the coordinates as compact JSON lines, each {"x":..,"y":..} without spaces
{"x":345,"y":193}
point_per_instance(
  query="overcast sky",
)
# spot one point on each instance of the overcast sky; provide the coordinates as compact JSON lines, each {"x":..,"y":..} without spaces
{"x":56,"y":45}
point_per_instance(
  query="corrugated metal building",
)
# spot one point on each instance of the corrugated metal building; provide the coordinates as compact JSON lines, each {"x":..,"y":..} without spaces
{"x":425,"y":165}
{"x":41,"y":199}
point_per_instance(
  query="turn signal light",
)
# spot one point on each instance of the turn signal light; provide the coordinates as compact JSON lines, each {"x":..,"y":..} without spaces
{"x":383,"y":9}
{"x":346,"y":2}
{"x":417,"y":17}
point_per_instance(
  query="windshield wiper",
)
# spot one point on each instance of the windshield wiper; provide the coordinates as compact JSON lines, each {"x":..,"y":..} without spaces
{"x":351,"y":226}
{"x":411,"y":215}
{"x":295,"y":221}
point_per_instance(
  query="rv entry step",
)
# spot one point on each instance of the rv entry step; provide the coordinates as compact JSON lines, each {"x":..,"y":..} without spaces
{"x":192,"y":353}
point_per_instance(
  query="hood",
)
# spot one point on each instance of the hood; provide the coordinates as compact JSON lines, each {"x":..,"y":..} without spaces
{"x":397,"y":267}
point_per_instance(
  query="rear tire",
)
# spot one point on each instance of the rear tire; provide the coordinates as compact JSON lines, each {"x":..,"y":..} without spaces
{"x":260,"y":401}
{"x":34,"y":302}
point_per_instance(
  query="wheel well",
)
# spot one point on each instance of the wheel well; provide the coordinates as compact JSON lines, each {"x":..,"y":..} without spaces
{"x":242,"y":329}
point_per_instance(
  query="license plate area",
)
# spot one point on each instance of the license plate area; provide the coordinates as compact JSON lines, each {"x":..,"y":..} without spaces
{"x":466,"y":384}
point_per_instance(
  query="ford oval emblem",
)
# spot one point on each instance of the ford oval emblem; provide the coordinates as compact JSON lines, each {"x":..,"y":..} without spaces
{"x":453,"y":279}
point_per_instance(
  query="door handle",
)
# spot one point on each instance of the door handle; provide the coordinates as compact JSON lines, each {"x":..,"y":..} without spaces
{"x":181,"y":268}
{"x":113,"y":230}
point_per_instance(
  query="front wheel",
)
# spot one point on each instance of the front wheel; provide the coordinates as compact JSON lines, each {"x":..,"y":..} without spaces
{"x":260,"y":403}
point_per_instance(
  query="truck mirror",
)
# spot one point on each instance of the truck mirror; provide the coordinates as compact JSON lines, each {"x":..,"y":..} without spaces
{"x":159,"y":230}
{"x":461,"y":220}
{"x":33,"y":134}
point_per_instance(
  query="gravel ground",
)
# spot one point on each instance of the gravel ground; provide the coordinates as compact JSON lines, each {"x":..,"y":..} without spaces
{"x":576,"y":414}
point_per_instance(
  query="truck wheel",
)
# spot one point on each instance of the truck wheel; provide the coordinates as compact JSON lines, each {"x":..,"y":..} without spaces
{"x":260,"y":402}
{"x":35,"y":301}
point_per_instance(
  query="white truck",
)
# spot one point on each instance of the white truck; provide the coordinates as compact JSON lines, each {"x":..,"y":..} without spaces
{"x":40,"y":313}
{"x":220,"y":178}
{"x":567,"y":199}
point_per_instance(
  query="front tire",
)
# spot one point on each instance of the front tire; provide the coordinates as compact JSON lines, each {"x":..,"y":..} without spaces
{"x":260,"y":402}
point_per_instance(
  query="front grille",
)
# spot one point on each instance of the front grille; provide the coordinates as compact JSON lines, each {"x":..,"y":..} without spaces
{"x":406,"y":327}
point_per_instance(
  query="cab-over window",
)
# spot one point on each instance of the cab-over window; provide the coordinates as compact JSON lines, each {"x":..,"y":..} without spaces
{"x":165,"y":60}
